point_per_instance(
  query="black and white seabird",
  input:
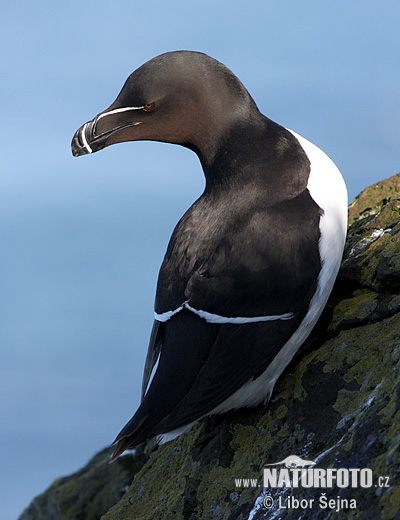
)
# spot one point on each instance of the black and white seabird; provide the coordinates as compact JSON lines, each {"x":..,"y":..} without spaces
{"x":250,"y":265}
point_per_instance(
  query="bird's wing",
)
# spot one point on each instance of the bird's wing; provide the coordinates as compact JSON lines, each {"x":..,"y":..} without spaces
{"x":267,"y":267}
{"x":153,"y":353}
{"x":239,"y":354}
{"x":200,"y":366}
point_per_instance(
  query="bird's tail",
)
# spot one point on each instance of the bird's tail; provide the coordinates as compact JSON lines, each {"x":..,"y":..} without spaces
{"x":127,"y":438}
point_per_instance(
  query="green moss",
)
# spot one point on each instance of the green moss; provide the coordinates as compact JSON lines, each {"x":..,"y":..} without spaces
{"x":390,"y":503}
{"x":372,"y":199}
{"x":354,"y":310}
{"x":90,"y":492}
{"x":394,"y":304}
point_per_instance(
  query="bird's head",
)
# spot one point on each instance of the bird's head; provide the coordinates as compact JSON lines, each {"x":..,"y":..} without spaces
{"x":180,"y":97}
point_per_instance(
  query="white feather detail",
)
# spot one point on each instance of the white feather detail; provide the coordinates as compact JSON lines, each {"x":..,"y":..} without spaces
{"x":216,"y":318}
{"x":165,"y":316}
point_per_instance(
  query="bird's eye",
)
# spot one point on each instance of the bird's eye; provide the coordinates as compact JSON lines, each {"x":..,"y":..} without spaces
{"x":148,"y":107}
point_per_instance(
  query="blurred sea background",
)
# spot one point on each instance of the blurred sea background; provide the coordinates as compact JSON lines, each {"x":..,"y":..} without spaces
{"x":82,"y":239}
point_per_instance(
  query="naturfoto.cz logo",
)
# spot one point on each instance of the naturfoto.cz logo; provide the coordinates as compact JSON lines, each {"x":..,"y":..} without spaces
{"x":300,"y":473}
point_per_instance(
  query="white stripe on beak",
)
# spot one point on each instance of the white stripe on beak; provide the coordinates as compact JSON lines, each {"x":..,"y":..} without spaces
{"x":111,"y":112}
{"x":117,"y":111}
{"x":84,"y":141}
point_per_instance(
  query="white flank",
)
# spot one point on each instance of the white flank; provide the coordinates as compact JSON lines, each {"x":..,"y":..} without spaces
{"x":216,"y":318}
{"x":327,"y":188}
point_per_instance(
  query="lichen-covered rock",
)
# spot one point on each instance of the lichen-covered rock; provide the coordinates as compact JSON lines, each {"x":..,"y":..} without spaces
{"x":90,"y":492}
{"x":372,"y":253}
{"x":337,"y":404}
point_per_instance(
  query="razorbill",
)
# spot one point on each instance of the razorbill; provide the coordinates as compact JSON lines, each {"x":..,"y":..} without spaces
{"x":250,"y":265}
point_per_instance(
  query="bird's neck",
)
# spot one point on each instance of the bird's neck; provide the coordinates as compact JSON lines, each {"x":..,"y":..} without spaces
{"x":259,"y":155}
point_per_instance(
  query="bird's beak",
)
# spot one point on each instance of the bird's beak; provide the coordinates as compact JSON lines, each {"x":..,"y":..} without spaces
{"x":101,"y":131}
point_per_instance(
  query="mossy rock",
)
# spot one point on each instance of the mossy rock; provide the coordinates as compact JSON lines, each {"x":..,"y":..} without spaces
{"x":91,"y":491}
{"x":337,"y":404}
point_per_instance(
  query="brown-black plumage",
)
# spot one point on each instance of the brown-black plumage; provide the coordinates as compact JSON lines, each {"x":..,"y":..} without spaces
{"x":243,"y":264}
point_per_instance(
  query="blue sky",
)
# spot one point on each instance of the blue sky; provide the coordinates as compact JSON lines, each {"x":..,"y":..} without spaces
{"x":82,"y":239}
